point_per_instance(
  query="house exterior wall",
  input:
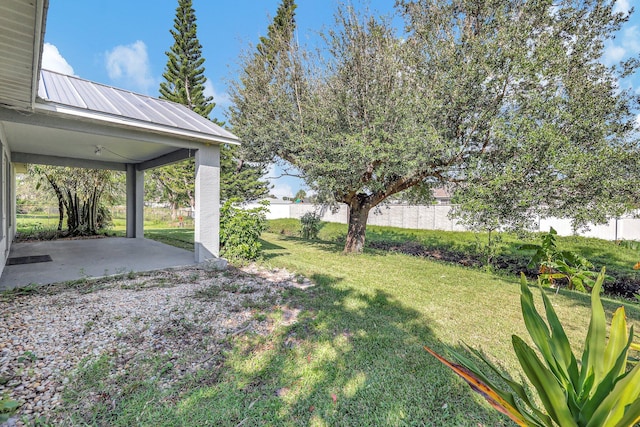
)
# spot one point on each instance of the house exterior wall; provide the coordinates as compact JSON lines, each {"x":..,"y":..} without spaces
{"x":7,"y":201}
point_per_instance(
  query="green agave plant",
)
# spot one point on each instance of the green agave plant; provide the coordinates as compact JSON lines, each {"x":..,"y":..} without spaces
{"x":596,"y":391}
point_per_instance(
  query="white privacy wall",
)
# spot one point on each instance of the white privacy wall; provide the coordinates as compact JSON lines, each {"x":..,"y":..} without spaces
{"x":436,"y":217}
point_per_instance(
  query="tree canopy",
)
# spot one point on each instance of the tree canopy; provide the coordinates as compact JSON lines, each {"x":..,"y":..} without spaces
{"x":505,"y":102}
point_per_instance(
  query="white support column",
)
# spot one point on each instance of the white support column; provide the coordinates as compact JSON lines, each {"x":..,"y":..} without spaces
{"x":207,"y":213}
{"x":135,"y":202}
{"x":139,"y":201}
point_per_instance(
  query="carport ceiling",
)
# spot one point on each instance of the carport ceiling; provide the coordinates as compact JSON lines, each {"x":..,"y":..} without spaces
{"x":25,"y":138}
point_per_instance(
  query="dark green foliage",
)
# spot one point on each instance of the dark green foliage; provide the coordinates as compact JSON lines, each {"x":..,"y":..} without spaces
{"x":240,"y":230}
{"x":310,"y":225}
{"x":184,"y":73}
{"x":281,"y":29}
{"x":240,"y":179}
{"x":184,"y":84}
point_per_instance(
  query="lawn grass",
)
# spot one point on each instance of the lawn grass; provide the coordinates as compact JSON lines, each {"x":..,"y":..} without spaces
{"x":618,"y":259}
{"x":178,"y":237}
{"x":354,"y":357}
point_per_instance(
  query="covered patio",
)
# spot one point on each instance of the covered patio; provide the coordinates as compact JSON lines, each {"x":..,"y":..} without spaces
{"x":87,"y":258}
{"x":53,"y":119}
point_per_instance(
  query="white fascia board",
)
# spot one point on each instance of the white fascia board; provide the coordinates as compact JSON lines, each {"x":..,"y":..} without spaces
{"x":38,"y":45}
{"x":122,"y":122}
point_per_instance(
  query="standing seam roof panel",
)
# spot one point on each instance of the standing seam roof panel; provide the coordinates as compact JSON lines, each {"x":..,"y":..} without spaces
{"x":199,"y":122}
{"x":169,"y":114}
{"x":58,"y":87}
{"x":159,"y":114}
{"x":92,"y":97}
{"x":125,"y":109}
{"x":191,"y":117}
{"x":134,"y":101}
{"x":73,"y":91}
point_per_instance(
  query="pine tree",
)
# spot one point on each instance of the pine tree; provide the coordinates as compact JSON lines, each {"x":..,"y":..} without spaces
{"x":184,"y":73}
{"x":184,"y":83}
{"x":280,"y":30}
{"x":238,"y":179}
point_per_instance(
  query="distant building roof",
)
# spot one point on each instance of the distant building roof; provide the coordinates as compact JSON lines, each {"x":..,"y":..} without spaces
{"x":82,"y":95}
{"x":441,"y":193}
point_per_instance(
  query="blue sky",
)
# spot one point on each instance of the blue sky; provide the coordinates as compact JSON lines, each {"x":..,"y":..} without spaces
{"x":123,"y":42}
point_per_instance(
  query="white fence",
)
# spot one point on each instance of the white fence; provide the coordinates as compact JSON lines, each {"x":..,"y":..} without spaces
{"x":436,"y":217}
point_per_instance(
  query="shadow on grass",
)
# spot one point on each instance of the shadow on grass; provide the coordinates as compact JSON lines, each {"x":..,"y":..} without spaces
{"x":339,"y":357}
{"x":179,"y":237}
{"x":271,"y":250}
{"x":323,"y":245}
{"x":329,"y":246}
{"x":349,"y":359}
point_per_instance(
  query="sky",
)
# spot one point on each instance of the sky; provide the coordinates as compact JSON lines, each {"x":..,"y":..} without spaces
{"x":122,"y":43}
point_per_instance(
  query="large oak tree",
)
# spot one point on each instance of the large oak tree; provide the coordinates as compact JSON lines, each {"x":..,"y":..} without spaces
{"x":505,"y":101}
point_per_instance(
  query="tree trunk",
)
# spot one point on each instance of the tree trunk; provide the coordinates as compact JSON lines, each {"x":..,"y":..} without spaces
{"x":60,"y":205}
{"x":60,"y":197}
{"x":174,"y":210}
{"x":358,"y":215}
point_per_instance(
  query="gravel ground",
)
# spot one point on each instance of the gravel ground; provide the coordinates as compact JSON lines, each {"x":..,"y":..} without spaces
{"x":188,"y":313}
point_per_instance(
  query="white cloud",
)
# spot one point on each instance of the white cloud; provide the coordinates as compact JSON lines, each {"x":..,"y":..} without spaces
{"x":613,"y":54}
{"x":129,"y":66}
{"x":621,"y":6}
{"x":628,"y":45}
{"x":631,"y":39}
{"x":52,"y":60}
{"x":221,"y":99}
{"x":281,"y":190}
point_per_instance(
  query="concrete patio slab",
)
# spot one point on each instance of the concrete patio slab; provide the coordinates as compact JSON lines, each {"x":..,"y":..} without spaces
{"x":78,"y":259}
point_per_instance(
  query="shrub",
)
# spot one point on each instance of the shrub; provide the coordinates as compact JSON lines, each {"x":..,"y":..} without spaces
{"x":596,"y":390}
{"x":310,"y":225}
{"x":555,"y":264}
{"x":240,"y":230}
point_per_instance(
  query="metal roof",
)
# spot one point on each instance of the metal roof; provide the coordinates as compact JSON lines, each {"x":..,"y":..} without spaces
{"x":21,"y":33}
{"x":106,"y":102}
